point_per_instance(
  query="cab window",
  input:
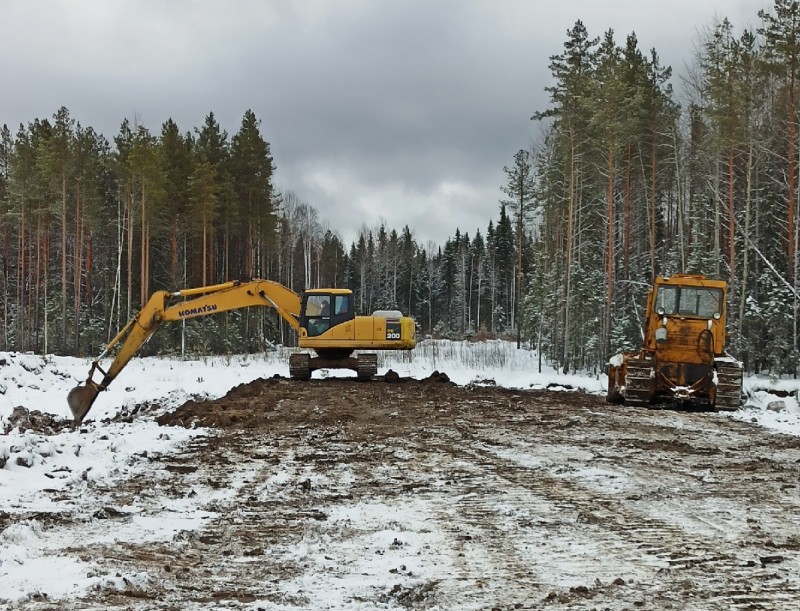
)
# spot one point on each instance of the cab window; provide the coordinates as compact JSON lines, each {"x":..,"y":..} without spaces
{"x":696,"y":301}
{"x":342,"y":305}
{"x":318,"y":313}
{"x":317,"y":305}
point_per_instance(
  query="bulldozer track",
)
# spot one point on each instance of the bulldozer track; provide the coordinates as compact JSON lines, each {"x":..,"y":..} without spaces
{"x":638,"y":383}
{"x":639,"y":539}
{"x":433,"y":496}
{"x":729,"y":386}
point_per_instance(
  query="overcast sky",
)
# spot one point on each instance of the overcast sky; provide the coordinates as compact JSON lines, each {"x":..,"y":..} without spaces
{"x":398,"y":110}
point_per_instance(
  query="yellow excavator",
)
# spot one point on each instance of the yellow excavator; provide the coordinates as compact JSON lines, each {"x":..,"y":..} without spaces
{"x":325,"y":321}
{"x":683,"y":358}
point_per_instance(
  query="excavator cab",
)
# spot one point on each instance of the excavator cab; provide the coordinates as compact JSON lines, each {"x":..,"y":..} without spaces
{"x":322,"y":309}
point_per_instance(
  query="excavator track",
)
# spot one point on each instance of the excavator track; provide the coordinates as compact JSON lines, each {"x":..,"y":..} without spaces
{"x":638,"y":382}
{"x":300,"y":366}
{"x":729,"y":386}
{"x":367,"y":366}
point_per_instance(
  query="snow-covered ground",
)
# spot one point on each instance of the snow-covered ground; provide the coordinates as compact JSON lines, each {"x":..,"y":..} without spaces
{"x":101,"y":454}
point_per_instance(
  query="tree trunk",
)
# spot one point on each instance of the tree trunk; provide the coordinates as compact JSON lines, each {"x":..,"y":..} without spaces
{"x":569,"y":236}
{"x":731,"y":233}
{"x":64,"y":259}
{"x":609,"y":252}
{"x":6,"y":279}
{"x":653,"y":204}
{"x":129,"y":223}
{"x":76,"y":276}
{"x":204,"y":251}
{"x":745,"y":249}
{"x":143,"y":244}
{"x":791,"y":178}
{"x":35,"y":303}
{"x":45,"y":284}
{"x":20,"y":318}
{"x":173,"y":254}
{"x":89,"y":268}
{"x":626,"y":222}
{"x":717,"y":220}
{"x":518,"y":292}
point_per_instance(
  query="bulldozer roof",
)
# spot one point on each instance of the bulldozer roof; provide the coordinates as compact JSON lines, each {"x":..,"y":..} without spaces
{"x":691,"y":280}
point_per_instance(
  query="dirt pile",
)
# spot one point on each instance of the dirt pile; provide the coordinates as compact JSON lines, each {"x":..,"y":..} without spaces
{"x":264,"y":402}
{"x":35,"y":422}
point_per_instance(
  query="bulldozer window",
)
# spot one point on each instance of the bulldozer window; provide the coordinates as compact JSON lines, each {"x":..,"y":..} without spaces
{"x":689,"y":301}
{"x":667,"y":299}
{"x":701,"y":302}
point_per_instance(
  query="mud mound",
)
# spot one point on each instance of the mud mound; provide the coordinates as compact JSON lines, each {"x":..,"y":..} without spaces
{"x":391,"y":402}
{"x":35,"y":421}
{"x":421,"y":494}
{"x":438,"y":377}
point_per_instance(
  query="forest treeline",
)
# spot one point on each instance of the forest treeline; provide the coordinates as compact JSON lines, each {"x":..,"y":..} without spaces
{"x":90,"y":228}
{"x":627,"y":182}
{"x":630,"y":183}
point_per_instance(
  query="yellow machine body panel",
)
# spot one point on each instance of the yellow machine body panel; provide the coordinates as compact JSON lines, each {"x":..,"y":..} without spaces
{"x":365,"y":332}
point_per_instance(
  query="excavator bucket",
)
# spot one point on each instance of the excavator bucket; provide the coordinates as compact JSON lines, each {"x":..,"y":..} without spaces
{"x":80,"y":400}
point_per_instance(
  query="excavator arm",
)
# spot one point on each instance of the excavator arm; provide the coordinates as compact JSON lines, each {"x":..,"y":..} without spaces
{"x":161,"y":307}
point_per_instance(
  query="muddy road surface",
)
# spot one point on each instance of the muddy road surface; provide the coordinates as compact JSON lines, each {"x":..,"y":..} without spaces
{"x":404,"y":494}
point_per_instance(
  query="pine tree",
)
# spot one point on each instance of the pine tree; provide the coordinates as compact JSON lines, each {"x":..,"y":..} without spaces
{"x":520,"y":192}
{"x":6,"y":150}
{"x":212,"y":148}
{"x":204,"y":202}
{"x":252,"y":168}
{"x":570,"y":96}
{"x":176,"y":159}
{"x":57,"y":162}
{"x":781,"y":31}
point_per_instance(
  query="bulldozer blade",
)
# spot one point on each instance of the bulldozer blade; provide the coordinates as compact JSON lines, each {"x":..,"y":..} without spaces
{"x":80,"y":400}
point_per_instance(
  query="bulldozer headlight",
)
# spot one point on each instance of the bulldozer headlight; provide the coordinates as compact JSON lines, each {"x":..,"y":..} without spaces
{"x":717,"y":316}
{"x":661,"y":311}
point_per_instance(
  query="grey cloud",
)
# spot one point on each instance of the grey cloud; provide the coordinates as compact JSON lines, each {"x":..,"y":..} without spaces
{"x":405,"y":111}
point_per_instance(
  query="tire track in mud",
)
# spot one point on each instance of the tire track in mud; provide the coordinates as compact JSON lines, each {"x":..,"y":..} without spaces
{"x":687,"y":566}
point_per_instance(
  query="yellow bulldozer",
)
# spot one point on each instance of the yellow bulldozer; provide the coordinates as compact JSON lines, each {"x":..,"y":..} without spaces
{"x":683,"y":358}
{"x":325,"y":321}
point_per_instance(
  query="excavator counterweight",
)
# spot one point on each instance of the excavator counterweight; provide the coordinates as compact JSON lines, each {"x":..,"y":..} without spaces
{"x":324,"y":319}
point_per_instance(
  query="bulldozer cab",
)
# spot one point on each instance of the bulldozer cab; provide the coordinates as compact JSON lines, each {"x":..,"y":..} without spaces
{"x":683,"y":356}
{"x":323,"y":309}
{"x":686,"y":318}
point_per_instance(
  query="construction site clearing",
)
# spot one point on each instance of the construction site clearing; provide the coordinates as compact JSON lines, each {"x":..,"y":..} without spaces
{"x":408,"y":493}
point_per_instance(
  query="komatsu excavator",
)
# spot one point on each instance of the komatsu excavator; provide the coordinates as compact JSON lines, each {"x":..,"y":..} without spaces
{"x":325,"y":321}
{"x":683,"y":359}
